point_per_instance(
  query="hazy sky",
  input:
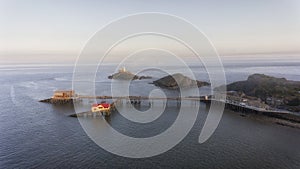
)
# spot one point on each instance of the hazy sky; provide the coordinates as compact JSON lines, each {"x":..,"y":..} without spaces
{"x":55,"y":28}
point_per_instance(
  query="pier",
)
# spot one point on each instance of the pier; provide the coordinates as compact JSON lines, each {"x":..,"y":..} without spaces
{"x":63,"y":97}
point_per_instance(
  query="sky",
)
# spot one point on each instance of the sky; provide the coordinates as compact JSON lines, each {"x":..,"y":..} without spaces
{"x":47,"y":30}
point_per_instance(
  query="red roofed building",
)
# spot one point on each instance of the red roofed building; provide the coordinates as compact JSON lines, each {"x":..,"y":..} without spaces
{"x":100,"y":107}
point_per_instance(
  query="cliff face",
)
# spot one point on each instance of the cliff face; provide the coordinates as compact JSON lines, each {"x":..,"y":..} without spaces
{"x":280,"y":92}
{"x":177,"y":81}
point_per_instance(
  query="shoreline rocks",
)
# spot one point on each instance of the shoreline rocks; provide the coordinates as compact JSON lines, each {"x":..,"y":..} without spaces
{"x":57,"y":101}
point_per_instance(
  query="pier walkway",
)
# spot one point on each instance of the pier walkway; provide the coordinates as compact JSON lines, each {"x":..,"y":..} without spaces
{"x":208,"y":100}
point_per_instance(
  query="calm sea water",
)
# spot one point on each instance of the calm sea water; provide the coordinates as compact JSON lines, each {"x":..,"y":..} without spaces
{"x":39,"y":135}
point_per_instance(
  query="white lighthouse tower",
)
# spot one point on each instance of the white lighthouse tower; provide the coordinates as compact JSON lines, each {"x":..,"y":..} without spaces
{"x":122,"y":70}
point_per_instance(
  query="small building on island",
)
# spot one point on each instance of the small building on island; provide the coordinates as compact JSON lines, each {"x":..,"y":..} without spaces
{"x":123,"y":70}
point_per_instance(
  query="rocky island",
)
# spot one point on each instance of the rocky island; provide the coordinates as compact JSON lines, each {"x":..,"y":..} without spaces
{"x":123,"y":74}
{"x":275,"y":92}
{"x":177,"y":81}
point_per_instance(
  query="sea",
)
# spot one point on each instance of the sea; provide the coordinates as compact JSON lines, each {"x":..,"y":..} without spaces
{"x":41,"y":135}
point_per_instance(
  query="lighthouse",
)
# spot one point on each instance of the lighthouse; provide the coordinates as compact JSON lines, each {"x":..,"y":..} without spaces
{"x":122,"y":70}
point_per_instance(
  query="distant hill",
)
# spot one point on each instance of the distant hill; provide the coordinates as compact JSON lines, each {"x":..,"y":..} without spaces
{"x":279,"y":92}
{"x":169,"y":82}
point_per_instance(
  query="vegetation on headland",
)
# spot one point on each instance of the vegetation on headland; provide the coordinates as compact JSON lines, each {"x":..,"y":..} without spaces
{"x":177,"y":81}
{"x":276,"y":92}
